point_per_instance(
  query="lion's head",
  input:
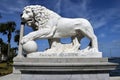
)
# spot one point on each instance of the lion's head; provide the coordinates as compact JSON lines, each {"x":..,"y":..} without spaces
{"x":35,"y":16}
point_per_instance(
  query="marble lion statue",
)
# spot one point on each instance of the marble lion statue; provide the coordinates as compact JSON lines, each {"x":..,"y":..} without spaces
{"x":49,"y":25}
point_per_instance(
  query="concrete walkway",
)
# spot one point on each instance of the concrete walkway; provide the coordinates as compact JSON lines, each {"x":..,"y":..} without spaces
{"x":10,"y":77}
{"x":115,"y":78}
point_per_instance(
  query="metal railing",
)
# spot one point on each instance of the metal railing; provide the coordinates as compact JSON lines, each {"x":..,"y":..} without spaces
{"x":110,"y":49}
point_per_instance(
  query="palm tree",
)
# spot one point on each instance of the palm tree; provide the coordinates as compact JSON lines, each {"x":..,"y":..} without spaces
{"x":3,"y":49}
{"x":17,"y":36}
{"x":16,"y":39}
{"x":0,"y":15}
{"x":1,"y":41}
{"x":7,"y":29}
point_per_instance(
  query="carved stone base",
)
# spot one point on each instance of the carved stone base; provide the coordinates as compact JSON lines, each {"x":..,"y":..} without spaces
{"x":63,"y":68}
{"x":75,"y":54}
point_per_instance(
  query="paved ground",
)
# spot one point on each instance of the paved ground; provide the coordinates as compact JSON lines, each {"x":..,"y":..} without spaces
{"x":10,"y":77}
{"x":114,"y":78}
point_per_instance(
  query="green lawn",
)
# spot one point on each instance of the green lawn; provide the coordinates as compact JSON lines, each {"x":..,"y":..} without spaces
{"x":6,"y":69}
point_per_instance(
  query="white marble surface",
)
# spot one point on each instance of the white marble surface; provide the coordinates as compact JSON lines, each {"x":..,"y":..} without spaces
{"x":49,"y":25}
{"x":66,"y":77}
{"x":30,"y":46}
{"x":77,"y":54}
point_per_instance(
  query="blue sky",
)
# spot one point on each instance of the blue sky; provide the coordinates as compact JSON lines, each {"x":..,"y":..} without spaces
{"x":104,"y":16}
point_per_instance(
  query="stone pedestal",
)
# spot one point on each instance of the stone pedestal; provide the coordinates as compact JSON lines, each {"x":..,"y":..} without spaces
{"x":56,"y":68}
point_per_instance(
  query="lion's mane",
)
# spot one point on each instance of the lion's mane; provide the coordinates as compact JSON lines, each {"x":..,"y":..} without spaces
{"x":41,"y":14}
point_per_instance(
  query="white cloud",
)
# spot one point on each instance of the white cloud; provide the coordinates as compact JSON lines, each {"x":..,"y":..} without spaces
{"x":12,"y":6}
{"x":58,"y":6}
{"x":103,"y":18}
{"x":102,"y":35}
{"x":97,"y":23}
{"x":116,"y":28}
{"x":71,"y":8}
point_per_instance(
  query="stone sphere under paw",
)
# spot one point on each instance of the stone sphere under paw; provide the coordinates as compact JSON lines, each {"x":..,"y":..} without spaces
{"x":30,"y":46}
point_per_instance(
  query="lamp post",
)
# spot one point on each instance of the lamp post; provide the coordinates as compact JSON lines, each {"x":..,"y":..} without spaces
{"x":20,"y":50}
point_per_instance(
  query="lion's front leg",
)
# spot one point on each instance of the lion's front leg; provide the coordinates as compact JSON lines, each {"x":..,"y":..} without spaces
{"x":34,"y":35}
{"x":28,"y":37}
{"x":39,"y":34}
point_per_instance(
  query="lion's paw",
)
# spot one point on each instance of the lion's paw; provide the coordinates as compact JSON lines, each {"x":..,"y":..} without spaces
{"x":24,"y":40}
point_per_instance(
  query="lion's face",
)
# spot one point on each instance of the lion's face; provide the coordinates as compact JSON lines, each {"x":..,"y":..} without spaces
{"x":27,"y":16}
{"x":35,"y":16}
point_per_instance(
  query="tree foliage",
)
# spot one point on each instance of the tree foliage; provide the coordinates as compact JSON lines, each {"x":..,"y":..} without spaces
{"x":0,"y":15}
{"x":16,"y":37}
{"x":7,"y":29}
